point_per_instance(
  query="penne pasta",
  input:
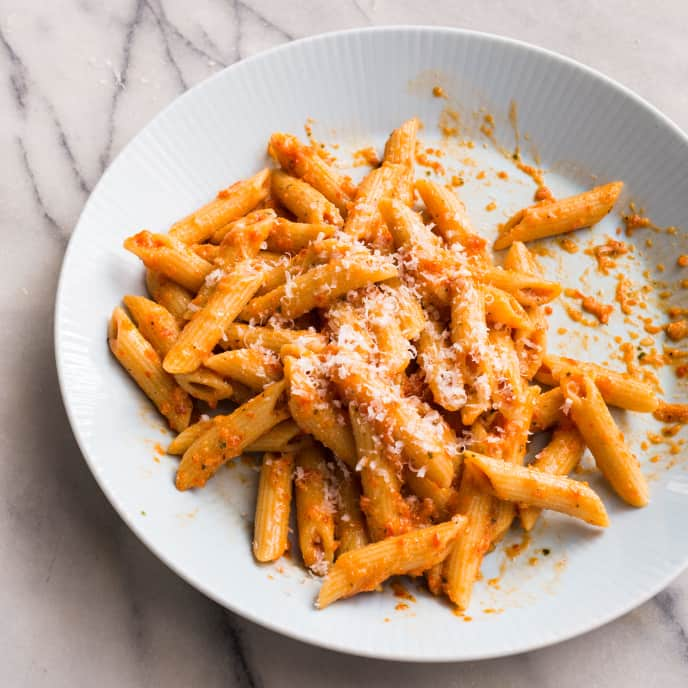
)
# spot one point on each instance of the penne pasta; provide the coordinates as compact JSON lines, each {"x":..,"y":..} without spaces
{"x":188,"y":436}
{"x":561,"y":216}
{"x":240,"y":226}
{"x":168,"y":294}
{"x":440,"y":364}
{"x":230,"y":204}
{"x":400,"y":149}
{"x":239,"y":336}
{"x":462,"y":565}
{"x":350,"y":526}
{"x":313,"y":407}
{"x":606,"y":442}
{"x":154,"y":321}
{"x":451,"y":219}
{"x":205,"y":385}
{"x":271,"y":525}
{"x":529,"y":486}
{"x":503,"y":308}
{"x":208,"y":252}
{"x":251,"y":367}
{"x":617,"y":389}
{"x":307,"y":204}
{"x":315,"y":510}
{"x":200,"y":336}
{"x":366,"y":568}
{"x":319,"y":287}
{"x":141,"y":361}
{"x":363,"y":219}
{"x":530,"y":338}
{"x":278,"y":439}
{"x":244,"y":239}
{"x":386,"y":512}
{"x":528,"y":289}
{"x":559,"y":457}
{"x":160,"y":328}
{"x":292,"y":237}
{"x":171,"y":257}
{"x":444,"y":500}
{"x":229,"y":435}
{"x":548,"y":409}
{"x":428,"y":442}
{"x":469,"y":334}
{"x":304,"y":162}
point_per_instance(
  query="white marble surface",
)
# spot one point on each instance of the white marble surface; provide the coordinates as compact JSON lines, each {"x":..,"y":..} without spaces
{"x":82,"y":601}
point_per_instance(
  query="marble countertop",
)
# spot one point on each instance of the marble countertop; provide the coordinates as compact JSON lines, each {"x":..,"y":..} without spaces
{"x":82,"y":599}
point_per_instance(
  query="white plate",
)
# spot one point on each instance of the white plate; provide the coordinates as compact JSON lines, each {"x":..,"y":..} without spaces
{"x":358,"y":85}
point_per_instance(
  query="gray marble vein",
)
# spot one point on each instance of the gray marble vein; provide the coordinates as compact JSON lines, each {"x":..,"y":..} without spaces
{"x":84,"y":603}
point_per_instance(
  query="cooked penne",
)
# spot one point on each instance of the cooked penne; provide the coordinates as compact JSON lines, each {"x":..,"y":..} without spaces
{"x":451,"y":219}
{"x":531,"y":338}
{"x":304,"y":162}
{"x":529,"y":486}
{"x":315,"y":510}
{"x":171,"y":257}
{"x":291,"y":237}
{"x":559,"y":457}
{"x":188,"y":436}
{"x":239,"y":336}
{"x":251,"y":367}
{"x":443,"y":372}
{"x":364,"y":569}
{"x":462,"y":565}
{"x":469,"y":334}
{"x":154,"y":321}
{"x":501,"y":307}
{"x":444,"y":499}
{"x":271,"y":525}
{"x":604,"y":439}
{"x":313,"y":407}
{"x":160,"y":328}
{"x":318,"y":252}
{"x":240,"y":226}
{"x":231,"y":203}
{"x":513,"y":443}
{"x":386,"y":512}
{"x":425,"y":262}
{"x":350,"y":527}
{"x":529,"y":290}
{"x":278,"y":439}
{"x":241,"y":394}
{"x":206,"y":385}
{"x":141,"y":361}
{"x":169,"y":295}
{"x":200,"y":336}
{"x":548,"y":409}
{"x":363,"y":219}
{"x":400,"y":149}
{"x":320,"y":287}
{"x":394,"y":351}
{"x":307,"y":204}
{"x":428,"y":441}
{"x":229,"y":435}
{"x":406,"y":307}
{"x":617,"y":389}
{"x":557,"y":217}
{"x":206,"y":251}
